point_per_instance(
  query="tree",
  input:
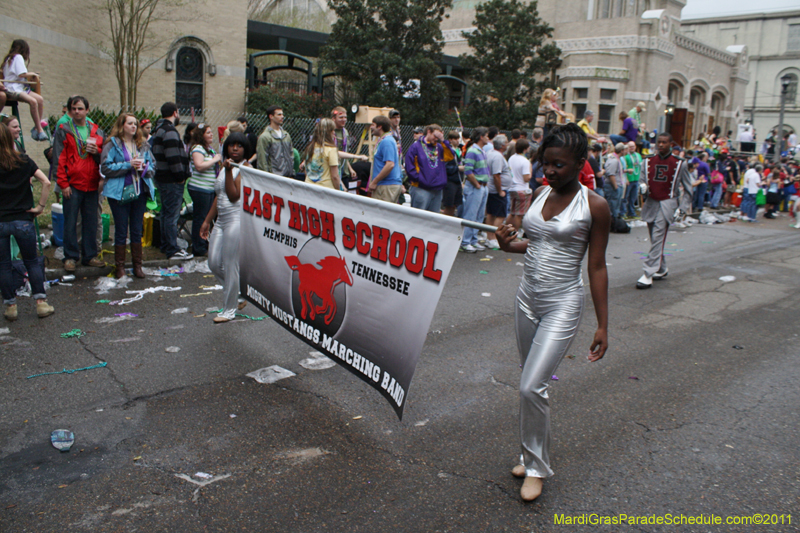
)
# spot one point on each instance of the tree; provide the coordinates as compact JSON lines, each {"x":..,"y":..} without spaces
{"x":509,"y":53}
{"x":129,"y":22}
{"x":386,"y":51}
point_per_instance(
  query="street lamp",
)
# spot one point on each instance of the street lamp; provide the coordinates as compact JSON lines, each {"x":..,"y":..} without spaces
{"x":786,"y":80}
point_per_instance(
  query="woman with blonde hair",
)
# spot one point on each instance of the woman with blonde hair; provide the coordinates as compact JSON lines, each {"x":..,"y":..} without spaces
{"x":322,"y":156}
{"x":16,"y":218}
{"x":547,"y":105}
{"x":128,"y":169}
{"x":232,"y":127}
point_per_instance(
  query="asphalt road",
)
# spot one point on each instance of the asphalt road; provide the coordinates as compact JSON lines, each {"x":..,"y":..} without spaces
{"x":673,"y":421}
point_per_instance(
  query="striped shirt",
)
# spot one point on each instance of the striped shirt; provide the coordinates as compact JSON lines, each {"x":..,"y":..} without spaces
{"x":475,"y":163}
{"x":203,"y":181}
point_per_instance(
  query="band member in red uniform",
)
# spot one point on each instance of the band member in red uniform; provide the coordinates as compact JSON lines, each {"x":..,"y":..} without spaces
{"x":667,"y":179}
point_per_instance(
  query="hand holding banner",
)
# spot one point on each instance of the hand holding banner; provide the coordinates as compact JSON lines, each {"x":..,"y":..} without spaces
{"x":356,"y":278}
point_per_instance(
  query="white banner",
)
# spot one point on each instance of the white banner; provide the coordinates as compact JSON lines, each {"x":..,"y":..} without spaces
{"x":356,"y":278}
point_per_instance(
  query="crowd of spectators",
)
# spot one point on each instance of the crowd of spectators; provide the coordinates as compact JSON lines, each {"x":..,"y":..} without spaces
{"x":482,"y":176}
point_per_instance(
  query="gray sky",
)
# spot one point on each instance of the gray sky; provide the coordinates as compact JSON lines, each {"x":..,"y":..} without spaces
{"x":717,"y":8}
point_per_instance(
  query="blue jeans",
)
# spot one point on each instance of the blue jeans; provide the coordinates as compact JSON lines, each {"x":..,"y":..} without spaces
{"x":631,"y":195}
{"x":84,"y":203}
{"x":613,"y":197}
{"x":425,"y":199}
{"x":618,"y":139}
{"x":474,"y":210}
{"x":749,"y":207}
{"x":700,"y":196}
{"x":131,"y":216}
{"x":171,"y":199}
{"x":716,"y":194}
{"x":787,"y":197}
{"x":201,"y":205}
{"x":24,"y":231}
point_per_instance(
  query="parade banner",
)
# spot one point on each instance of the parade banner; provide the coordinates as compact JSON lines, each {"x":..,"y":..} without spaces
{"x":356,"y":278}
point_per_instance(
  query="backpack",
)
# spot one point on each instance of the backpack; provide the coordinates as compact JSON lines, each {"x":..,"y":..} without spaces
{"x":619,"y":226}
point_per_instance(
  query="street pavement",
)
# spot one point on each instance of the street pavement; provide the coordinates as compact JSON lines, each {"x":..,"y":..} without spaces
{"x":693,"y":411}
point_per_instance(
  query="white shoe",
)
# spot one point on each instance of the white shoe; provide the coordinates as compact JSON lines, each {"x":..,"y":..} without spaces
{"x":493,"y":244}
{"x":661,"y":275}
{"x":469,"y":249}
{"x":479,"y":247}
{"x":644,"y":282}
{"x":181,"y":255}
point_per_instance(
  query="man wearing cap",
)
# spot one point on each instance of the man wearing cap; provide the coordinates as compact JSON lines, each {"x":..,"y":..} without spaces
{"x":418,"y":132}
{"x":585,"y":125}
{"x":636,"y":112}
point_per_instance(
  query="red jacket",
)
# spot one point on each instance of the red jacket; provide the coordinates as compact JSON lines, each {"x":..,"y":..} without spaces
{"x":73,"y":170}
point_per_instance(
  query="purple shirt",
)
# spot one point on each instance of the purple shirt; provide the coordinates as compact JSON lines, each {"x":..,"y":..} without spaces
{"x":421,"y":170}
{"x":629,"y":129}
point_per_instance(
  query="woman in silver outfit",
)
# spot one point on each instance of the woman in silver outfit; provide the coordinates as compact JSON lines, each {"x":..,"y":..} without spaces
{"x":565,"y":218}
{"x":223,"y":247}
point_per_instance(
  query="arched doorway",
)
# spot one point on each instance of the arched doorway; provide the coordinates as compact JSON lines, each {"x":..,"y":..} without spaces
{"x":716,"y":117}
{"x":695,"y":123}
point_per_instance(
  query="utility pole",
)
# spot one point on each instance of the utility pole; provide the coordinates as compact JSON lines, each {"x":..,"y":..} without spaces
{"x":785,"y":81}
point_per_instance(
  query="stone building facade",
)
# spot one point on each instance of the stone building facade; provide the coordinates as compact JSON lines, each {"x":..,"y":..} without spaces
{"x":616,"y":53}
{"x":198,"y":53}
{"x":773,"y":44}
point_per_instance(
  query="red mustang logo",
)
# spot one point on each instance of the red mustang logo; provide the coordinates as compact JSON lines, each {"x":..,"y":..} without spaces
{"x":320,"y":283}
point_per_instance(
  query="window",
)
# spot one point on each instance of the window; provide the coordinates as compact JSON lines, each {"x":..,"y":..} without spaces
{"x":578,"y":110}
{"x":791,"y":90}
{"x":793,"y":42}
{"x":604,"y":118}
{"x":580,"y":94}
{"x":618,"y":8}
{"x":189,"y":79}
{"x":608,"y":94}
{"x":604,"y":9}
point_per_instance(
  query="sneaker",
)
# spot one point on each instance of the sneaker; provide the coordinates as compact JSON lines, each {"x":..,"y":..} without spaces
{"x":96,"y":262}
{"x":221,"y":319}
{"x":644,"y":282}
{"x":44,"y":309}
{"x":36,"y":136}
{"x":181,"y":255}
{"x":69,"y":265}
{"x":11,"y":312}
{"x":242,"y":305}
{"x":479,"y":247}
{"x":469,"y":249}
{"x":661,"y":275}
{"x":493,"y":244}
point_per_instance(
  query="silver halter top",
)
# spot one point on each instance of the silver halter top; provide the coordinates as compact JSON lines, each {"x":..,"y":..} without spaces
{"x":556,"y":247}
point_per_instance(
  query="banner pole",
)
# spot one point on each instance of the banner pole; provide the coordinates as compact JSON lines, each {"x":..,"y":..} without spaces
{"x":464,"y":223}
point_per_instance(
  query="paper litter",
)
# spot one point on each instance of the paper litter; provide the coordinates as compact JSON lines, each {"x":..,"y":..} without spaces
{"x":270,"y":374}
{"x":317,"y":361}
{"x":104,"y":285}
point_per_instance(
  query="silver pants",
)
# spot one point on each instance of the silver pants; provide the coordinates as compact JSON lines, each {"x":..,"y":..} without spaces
{"x":545,"y":328}
{"x":655,"y":261}
{"x":223,"y":260}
